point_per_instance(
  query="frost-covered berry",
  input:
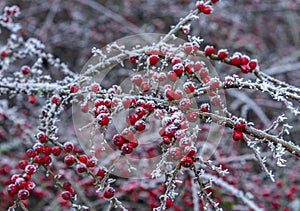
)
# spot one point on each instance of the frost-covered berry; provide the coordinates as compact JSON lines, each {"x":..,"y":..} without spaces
{"x":153,"y":59}
{"x":23,"y":194}
{"x":109,"y":192}
{"x":66,"y":195}
{"x":186,"y":162}
{"x":209,"y":50}
{"x":237,"y":135}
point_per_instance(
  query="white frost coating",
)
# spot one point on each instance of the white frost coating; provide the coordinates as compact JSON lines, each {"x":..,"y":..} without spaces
{"x":239,"y":194}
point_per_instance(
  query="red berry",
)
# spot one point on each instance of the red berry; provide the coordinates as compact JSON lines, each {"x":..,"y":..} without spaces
{"x":189,"y":87}
{"x":185,"y":103}
{"x":55,"y":99}
{"x":22,"y":164}
{"x":192,"y":116}
{"x":209,"y":50}
{"x":172,"y":76}
{"x":168,"y":202}
{"x":107,"y":102}
{"x":80,"y":167}
{"x":30,"y":153}
{"x":145,"y":86}
{"x":176,"y":60}
{"x":101,"y":173}
{"x":178,"y":69}
{"x":66,"y":195}
{"x":128,"y":101}
{"x":103,"y":119}
{"x":23,"y":194}
{"x":25,"y":70}
{"x":118,"y":140}
{"x":41,"y":136}
{"x":198,"y":65}
{"x":214,"y":1}
{"x":188,"y":47}
{"x":91,"y":162}
{"x":222,"y":54}
{"x":30,"y":169}
{"x":68,"y":146}
{"x":99,"y":102}
{"x":252,"y":64}
{"x":245,"y":69}
{"x":109,"y":192}
{"x":127,"y":134}
{"x":69,"y":160}
{"x":150,"y":106}
{"x":207,"y":10}
{"x":189,"y":68}
{"x":214,"y":83}
{"x":204,"y":107}
{"x":20,"y":183}
{"x":166,"y":139}
{"x":240,"y":124}
{"x":95,"y":87}
{"x":84,"y":107}
{"x":12,"y":189}
{"x":245,"y":60}
{"x":30,"y":186}
{"x":200,"y":5}
{"x":3,"y":53}
{"x":83,"y":158}
{"x":186,"y":162}
{"x":67,"y":185}
{"x":175,"y":153}
{"x":31,"y":99}
{"x":133,"y":58}
{"x":134,"y":143}
{"x":236,"y":59}
{"x":56,"y":150}
{"x":190,"y":151}
{"x":137,"y":79}
{"x":38,"y":147}
{"x":74,"y":88}
{"x":131,"y":118}
{"x":140,"y":125}
{"x":237,"y":135}
{"x":203,"y":72}
{"x":215,"y":100}
{"x":127,"y":148}
{"x":140,"y":111}
{"x":184,"y":143}
{"x":178,"y":94}
{"x":153,"y":59}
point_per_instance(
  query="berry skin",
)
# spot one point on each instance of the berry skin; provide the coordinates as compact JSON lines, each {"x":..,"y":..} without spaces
{"x":3,"y":53}
{"x":131,"y":118}
{"x":186,"y":162}
{"x":236,"y":59}
{"x":153,"y":59}
{"x":189,"y":68}
{"x":189,"y":87}
{"x":12,"y":189}
{"x":185,"y":103}
{"x":74,"y":88}
{"x":188,"y":48}
{"x":95,"y":87}
{"x":23,"y":194}
{"x":145,"y":86}
{"x":240,"y":125}
{"x":30,"y":169}
{"x":69,"y":160}
{"x":133,"y":58}
{"x":252,"y":64}
{"x":172,"y":76}
{"x":67,"y":185}
{"x":178,"y":69}
{"x":214,"y":83}
{"x":127,"y":134}
{"x":128,"y":101}
{"x":22,"y":164}
{"x":30,"y":186}
{"x":109,"y":192}
{"x":150,"y":106}
{"x":56,"y":150}
{"x":245,"y":69}
{"x":203,"y":72}
{"x":31,"y":99}
{"x":192,"y":116}
{"x":237,"y":135}
{"x":140,"y":125}
{"x":204,"y":107}
{"x":118,"y":140}
{"x":68,"y":146}
{"x":200,"y":5}
{"x":30,"y":153}
{"x":245,"y":60}
{"x":137,"y":79}
{"x":168,"y":202}
{"x":209,"y":50}
{"x":175,"y":153}
{"x":215,"y":101}
{"x":41,"y":136}
{"x":25,"y":70}
{"x":21,"y":183}
{"x":214,"y":1}
{"x":66,"y":195}
{"x":103,"y":119}
{"x":83,"y":158}
{"x":81,"y":168}
{"x":126,"y":148}
{"x":190,"y":151}
{"x":140,"y":111}
{"x":222,"y":54}
{"x":207,"y":10}
{"x":55,"y":99}
{"x":91,"y":162}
